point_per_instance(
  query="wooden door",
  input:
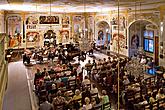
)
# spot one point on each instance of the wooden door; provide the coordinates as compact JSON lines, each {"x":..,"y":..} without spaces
{"x":156,"y":52}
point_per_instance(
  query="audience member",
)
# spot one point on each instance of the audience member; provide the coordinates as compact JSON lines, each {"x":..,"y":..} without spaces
{"x":59,"y":101}
{"x":94,"y":90}
{"x":143,"y":60}
{"x":87,"y":105}
{"x":85,"y":94}
{"x":105,"y":99}
{"x":125,"y":80}
{"x":160,"y":94}
{"x":86,"y":81}
{"x":45,"y":105}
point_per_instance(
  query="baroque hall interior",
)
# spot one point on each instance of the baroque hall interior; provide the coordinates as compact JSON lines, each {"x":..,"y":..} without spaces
{"x":82,"y":54}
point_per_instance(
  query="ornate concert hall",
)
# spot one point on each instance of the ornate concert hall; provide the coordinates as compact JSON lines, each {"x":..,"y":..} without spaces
{"x":82,"y":55}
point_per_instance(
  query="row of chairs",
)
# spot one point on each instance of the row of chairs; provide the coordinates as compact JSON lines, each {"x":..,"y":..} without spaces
{"x":157,"y":105}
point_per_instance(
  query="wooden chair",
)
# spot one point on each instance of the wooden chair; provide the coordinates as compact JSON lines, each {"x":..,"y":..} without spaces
{"x":72,"y":84}
{"x":98,"y":107}
{"x":107,"y":106}
{"x":89,"y":86}
{"x":94,"y":95}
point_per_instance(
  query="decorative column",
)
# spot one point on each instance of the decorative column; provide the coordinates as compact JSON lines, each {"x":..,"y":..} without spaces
{"x":24,"y":42}
{"x":162,"y":37}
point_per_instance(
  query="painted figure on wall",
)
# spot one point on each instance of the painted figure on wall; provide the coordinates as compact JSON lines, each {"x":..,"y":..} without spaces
{"x":64,"y":34}
{"x":78,"y":22}
{"x":31,"y":20}
{"x":14,"y":30}
{"x":135,"y":42}
{"x":100,"y":35}
{"x":118,"y":38}
{"x":121,"y":22}
{"x":32,"y":37}
{"x":65,"y":20}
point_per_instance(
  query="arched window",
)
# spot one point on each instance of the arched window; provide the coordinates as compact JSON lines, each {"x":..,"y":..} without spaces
{"x":149,"y":41}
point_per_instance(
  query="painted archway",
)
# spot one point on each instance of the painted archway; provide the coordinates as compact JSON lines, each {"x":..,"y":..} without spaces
{"x":102,"y":33}
{"x":143,"y":34}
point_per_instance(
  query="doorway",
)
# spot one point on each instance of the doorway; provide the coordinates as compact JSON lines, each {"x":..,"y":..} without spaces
{"x":144,"y":35}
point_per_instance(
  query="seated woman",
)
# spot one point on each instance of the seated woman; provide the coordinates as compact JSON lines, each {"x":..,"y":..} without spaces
{"x":52,"y":92}
{"x":46,"y":77}
{"x":57,"y":80}
{"x":94,"y":90}
{"x":58,"y":68}
{"x":160,"y":94}
{"x":152,"y":97}
{"x":86,"y":81}
{"x":87,"y":105}
{"x":125,"y":80}
{"x":68,"y":99}
{"x":59,"y":101}
{"x":99,"y":64}
{"x":38,"y":76}
{"x":77,"y":99}
{"x":105,"y":100}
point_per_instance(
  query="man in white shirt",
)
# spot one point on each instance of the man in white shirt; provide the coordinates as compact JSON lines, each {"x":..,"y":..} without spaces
{"x":86,"y":81}
{"x":143,"y":60}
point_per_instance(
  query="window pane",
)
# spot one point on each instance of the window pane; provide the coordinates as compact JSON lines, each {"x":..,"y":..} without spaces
{"x":151,"y":45}
{"x":151,"y":34}
{"x":145,"y":34}
{"x":146,"y":45}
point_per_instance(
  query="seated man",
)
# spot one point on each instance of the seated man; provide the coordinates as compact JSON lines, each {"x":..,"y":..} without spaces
{"x":59,"y":101}
{"x":143,"y":60}
{"x":88,"y":67}
{"x":45,"y":105}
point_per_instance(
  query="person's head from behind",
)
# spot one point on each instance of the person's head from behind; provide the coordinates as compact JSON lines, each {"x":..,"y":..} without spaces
{"x":38,"y":70}
{"x":53,"y":86}
{"x":64,"y":74}
{"x":145,"y":97}
{"x":94,"y":86}
{"x":72,"y":74}
{"x":44,"y":69}
{"x":93,"y":99}
{"x":104,"y":92}
{"x":77,"y":92}
{"x":58,"y":93}
{"x":87,"y":100}
{"x":46,"y":74}
{"x":44,"y":99}
{"x":89,"y":61}
{"x":57,"y":77}
{"x":125,"y":77}
{"x":86,"y":88}
{"x":149,"y":94}
{"x":66,"y":93}
{"x":86,"y":77}
{"x":109,"y":58}
{"x":161,"y":91}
